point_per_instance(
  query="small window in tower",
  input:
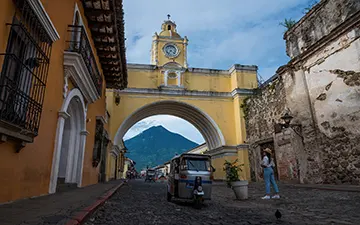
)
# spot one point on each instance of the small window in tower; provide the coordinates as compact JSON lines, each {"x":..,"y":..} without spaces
{"x":172,"y":75}
{"x":169,"y":27}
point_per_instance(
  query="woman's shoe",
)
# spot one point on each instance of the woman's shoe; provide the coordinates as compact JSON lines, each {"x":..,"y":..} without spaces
{"x":276,"y":196}
{"x":266,"y":197}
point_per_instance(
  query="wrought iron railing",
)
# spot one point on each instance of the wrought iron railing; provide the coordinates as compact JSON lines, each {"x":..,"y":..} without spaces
{"x":24,"y":71}
{"x":79,"y":42}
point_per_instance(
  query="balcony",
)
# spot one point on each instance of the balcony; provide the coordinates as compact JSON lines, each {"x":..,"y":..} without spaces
{"x":23,"y":78}
{"x":80,"y":64}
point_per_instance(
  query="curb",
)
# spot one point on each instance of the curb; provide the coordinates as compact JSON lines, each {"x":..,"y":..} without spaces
{"x":83,"y":214}
{"x":345,"y":189}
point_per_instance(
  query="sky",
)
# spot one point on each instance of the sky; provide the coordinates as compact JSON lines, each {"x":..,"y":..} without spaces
{"x":220,"y":33}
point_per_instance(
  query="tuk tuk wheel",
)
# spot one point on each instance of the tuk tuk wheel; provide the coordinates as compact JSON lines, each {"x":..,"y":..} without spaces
{"x":198,"y":201}
{"x":168,"y":197}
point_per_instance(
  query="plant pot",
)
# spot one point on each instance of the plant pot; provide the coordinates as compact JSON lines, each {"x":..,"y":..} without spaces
{"x":240,"y":189}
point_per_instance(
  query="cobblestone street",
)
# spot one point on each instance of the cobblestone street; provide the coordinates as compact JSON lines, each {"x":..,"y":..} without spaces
{"x":144,"y":203}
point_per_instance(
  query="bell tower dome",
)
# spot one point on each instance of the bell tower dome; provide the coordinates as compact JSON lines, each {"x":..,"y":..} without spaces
{"x":168,"y":29}
{"x":169,"y":46}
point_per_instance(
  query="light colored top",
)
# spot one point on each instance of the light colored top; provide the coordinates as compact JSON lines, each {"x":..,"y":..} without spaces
{"x":265,"y":162}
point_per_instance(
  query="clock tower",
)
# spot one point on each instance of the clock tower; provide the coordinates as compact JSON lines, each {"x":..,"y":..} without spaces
{"x":168,"y":46}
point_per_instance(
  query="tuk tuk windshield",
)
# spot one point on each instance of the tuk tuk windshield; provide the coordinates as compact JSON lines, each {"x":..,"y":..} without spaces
{"x":151,"y":172}
{"x":197,"y":164}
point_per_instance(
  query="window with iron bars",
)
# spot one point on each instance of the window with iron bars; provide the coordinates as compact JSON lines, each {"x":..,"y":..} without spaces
{"x":24,"y":72}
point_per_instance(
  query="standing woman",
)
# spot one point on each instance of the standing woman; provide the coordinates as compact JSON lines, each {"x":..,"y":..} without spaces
{"x":267,"y":163}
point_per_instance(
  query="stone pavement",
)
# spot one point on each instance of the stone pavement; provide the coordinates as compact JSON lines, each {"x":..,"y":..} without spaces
{"x":52,"y":209}
{"x":145,"y":203}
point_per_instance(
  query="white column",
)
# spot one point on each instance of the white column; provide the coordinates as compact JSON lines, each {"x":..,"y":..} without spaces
{"x":66,"y":85}
{"x":165,"y":77}
{"x":72,"y":142}
{"x":185,"y":55}
{"x":77,"y":144}
{"x":83,"y":136}
{"x":57,"y":150}
{"x":178,"y":73}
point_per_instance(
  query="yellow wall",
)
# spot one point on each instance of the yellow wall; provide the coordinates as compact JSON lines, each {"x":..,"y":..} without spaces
{"x":191,"y":81}
{"x":207,"y":82}
{"x":27,"y":173}
{"x":143,"y":79}
{"x":111,"y":164}
{"x":212,"y":81}
{"x":225,"y":111}
{"x":221,"y":110}
{"x":243,"y":79}
{"x":163,"y":59}
{"x":243,"y":158}
{"x":218,"y":164}
{"x":226,"y":114}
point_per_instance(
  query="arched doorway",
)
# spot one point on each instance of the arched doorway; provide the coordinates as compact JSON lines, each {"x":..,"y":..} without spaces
{"x":68,"y":155}
{"x":203,"y":122}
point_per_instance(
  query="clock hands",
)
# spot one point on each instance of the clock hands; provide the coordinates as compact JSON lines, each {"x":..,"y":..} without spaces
{"x":170,"y":50}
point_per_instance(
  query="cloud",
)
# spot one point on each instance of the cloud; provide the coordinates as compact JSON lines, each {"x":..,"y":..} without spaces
{"x":226,"y":32}
{"x":220,"y":33}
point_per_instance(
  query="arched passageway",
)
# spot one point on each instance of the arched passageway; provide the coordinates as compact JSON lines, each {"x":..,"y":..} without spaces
{"x":203,"y":122}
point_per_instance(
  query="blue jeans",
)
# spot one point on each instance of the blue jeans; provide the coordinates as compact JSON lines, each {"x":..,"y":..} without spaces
{"x":269,"y":178}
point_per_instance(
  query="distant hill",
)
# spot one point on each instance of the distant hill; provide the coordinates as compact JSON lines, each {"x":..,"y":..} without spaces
{"x":155,"y":146}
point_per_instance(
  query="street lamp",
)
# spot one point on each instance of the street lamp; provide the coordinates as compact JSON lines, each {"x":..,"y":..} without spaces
{"x":287,"y":119}
{"x":117,"y":98}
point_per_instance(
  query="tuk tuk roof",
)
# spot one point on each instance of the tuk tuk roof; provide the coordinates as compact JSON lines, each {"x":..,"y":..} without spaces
{"x":192,"y":155}
{"x":159,"y":167}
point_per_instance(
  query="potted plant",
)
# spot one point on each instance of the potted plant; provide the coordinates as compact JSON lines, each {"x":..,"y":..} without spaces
{"x":240,"y":187}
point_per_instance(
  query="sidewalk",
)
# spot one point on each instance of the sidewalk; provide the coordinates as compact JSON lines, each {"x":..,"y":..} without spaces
{"x":328,"y":187}
{"x":59,"y":208}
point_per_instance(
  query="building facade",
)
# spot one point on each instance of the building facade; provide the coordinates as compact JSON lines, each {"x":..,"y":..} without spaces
{"x":57,"y":58}
{"x":201,"y":149}
{"x":129,"y":168}
{"x":210,"y":99}
{"x":319,"y":87}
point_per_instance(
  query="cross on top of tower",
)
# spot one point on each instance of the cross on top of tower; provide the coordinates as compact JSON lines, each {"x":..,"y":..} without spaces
{"x":168,"y":16}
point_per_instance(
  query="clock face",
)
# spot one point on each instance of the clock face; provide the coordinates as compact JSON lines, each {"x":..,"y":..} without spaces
{"x":171,"y":50}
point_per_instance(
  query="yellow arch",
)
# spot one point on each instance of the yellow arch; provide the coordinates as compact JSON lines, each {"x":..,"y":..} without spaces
{"x":202,"y":121}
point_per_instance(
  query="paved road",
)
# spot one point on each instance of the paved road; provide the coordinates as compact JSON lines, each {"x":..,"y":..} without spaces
{"x":144,"y":203}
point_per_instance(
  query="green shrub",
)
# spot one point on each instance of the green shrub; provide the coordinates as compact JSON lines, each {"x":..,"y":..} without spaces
{"x":232,"y":171}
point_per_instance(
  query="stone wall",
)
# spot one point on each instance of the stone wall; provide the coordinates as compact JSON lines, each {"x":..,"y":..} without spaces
{"x":262,"y":112}
{"x":324,"y":18}
{"x":321,"y":87}
{"x":334,"y":93}
{"x":290,"y":154}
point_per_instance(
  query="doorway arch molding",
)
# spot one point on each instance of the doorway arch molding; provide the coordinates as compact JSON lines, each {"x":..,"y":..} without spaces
{"x":197,"y":117}
{"x":73,"y":109}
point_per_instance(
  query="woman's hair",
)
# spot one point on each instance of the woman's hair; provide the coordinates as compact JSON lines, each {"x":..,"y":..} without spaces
{"x":269,"y":156}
